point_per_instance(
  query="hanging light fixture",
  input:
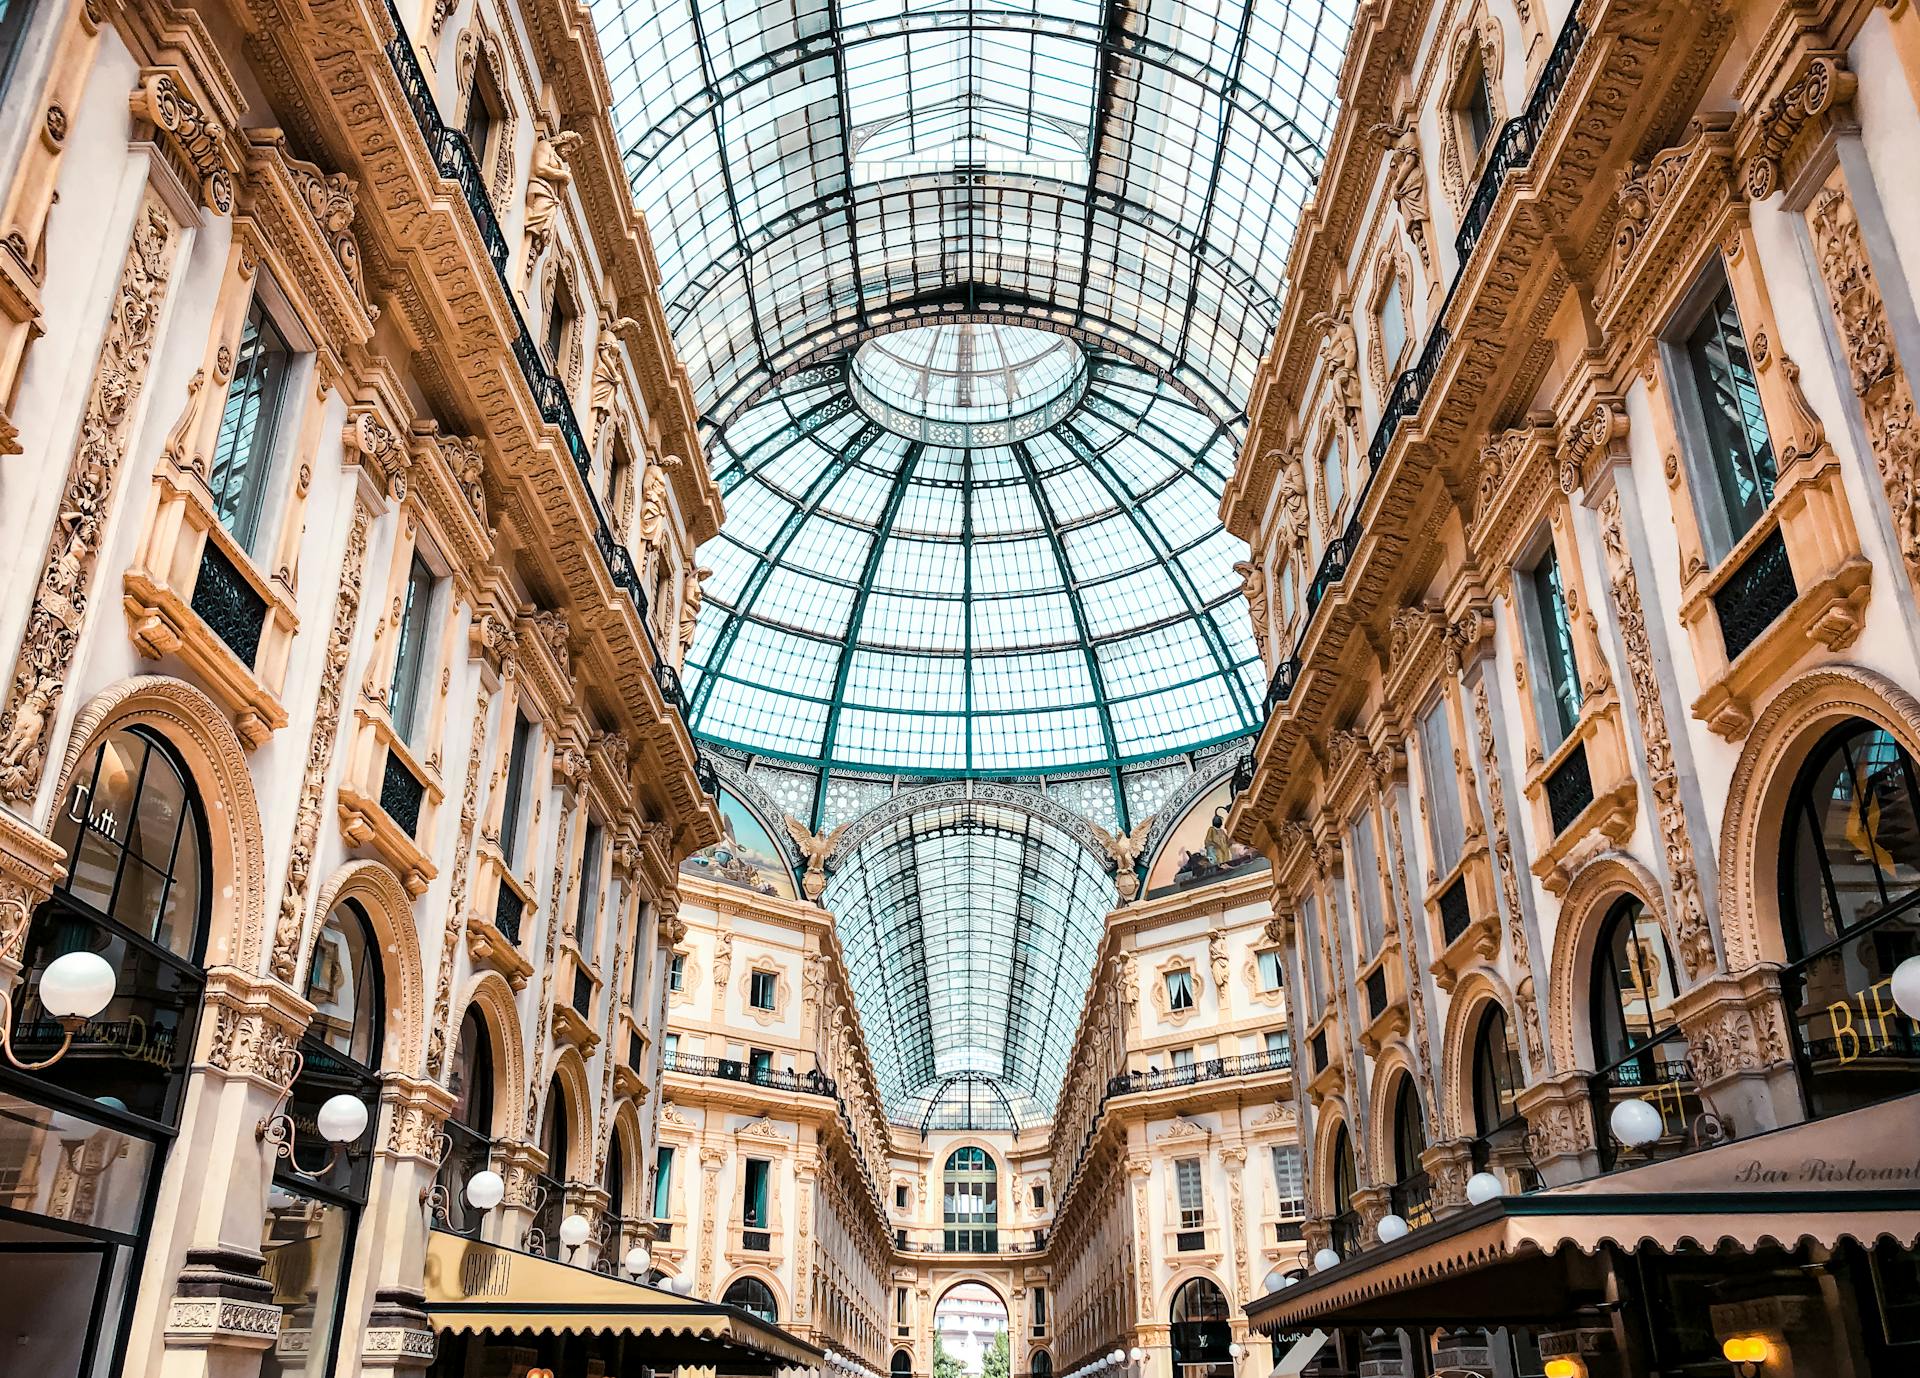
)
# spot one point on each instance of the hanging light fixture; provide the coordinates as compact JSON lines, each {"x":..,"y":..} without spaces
{"x":74,"y":988}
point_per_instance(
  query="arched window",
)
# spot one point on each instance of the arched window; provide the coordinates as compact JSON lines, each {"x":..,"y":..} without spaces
{"x":753,"y":1297}
{"x":1639,"y":1050}
{"x":1497,"y":1121}
{"x":137,"y":892}
{"x":307,"y":1236}
{"x":1411,"y":1193}
{"x":469,"y":1127}
{"x":1850,"y":914}
{"x":972,"y":1202}
{"x":1041,"y":1365}
{"x":613,"y":1220}
{"x":902,"y":1365}
{"x":543,"y":1235}
{"x":1344,"y":1182}
{"x":1201,"y":1331}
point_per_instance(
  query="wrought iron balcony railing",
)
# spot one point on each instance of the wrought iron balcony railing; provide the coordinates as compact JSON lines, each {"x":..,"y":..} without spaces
{"x":1207,"y":1069}
{"x":453,"y":157}
{"x":813,"y":1083}
{"x":1518,"y":139}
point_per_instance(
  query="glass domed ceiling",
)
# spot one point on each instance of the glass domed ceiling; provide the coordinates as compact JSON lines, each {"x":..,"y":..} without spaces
{"x":1002,"y":604}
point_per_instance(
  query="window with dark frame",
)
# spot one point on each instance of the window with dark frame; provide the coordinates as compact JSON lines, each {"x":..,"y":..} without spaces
{"x":241,"y":467}
{"x":410,"y":650}
{"x":1560,"y":713}
{"x":762,"y":990}
{"x":1728,"y":436}
{"x":1179,"y":989}
{"x":587,"y":892}
{"x":514,"y":801}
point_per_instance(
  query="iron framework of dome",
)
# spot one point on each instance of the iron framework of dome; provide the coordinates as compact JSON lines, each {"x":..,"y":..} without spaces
{"x":991,"y":549}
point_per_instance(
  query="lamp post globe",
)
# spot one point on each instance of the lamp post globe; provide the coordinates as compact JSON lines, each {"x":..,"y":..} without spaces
{"x":76,"y":985}
{"x":1483,"y":1187}
{"x":1635,"y":1123}
{"x":342,"y":1119}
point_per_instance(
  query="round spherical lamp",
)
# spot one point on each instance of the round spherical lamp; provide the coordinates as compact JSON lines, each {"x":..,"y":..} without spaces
{"x":1390,"y":1228}
{"x":637,"y":1261}
{"x":1236,"y":1349}
{"x":1137,"y":1354}
{"x":1906,"y":987}
{"x":1275,"y":1280}
{"x":1116,"y":1357}
{"x":1324,"y":1260}
{"x":1635,"y":1123}
{"x":574,"y":1230}
{"x":76,"y":985}
{"x":1483,"y":1187}
{"x":342,"y":1119}
{"x":485,"y":1189}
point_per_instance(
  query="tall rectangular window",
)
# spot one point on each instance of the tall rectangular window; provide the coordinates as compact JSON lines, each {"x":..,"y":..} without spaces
{"x":900,"y":1306}
{"x":410,"y":653}
{"x":1476,"y":107}
{"x":250,"y":427}
{"x":1333,"y":478}
{"x":1366,"y":883}
{"x":1310,"y":948}
{"x":1179,"y":990}
{"x":761,"y":990}
{"x":1393,"y":324}
{"x":753,"y":1205}
{"x":1186,"y":1178}
{"x":1444,"y":818}
{"x":677,"y":972}
{"x":670,"y":1044}
{"x":1279,"y":1043}
{"x":515,"y":801}
{"x":1559,"y":672}
{"x":1289,"y":1182}
{"x":479,"y":123}
{"x":662,"y":1181}
{"x":15,"y":15}
{"x":1182,"y":1057}
{"x":587,"y":892}
{"x":1039,"y":1310}
{"x":1272,"y":974}
{"x":1732,"y":441}
{"x":759,"y":1063}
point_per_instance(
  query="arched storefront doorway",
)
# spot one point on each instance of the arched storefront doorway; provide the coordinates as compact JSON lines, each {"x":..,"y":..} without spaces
{"x":1850,"y":914}
{"x":969,"y":1324}
{"x":1202,"y":1331}
{"x":84,"y":1140}
{"x":469,"y":1127}
{"x":754,"y":1297}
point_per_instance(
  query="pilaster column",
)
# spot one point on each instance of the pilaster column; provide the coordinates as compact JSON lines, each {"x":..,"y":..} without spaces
{"x":1372,"y":1203}
{"x":213,"y":1196}
{"x":390,"y":1263}
{"x":1461,"y":1352}
{"x":1560,"y":1130}
{"x":30,"y":866}
{"x":1594,"y":1347}
{"x":1448,"y":1165}
{"x":1738,"y":1048}
{"x":518,"y":1163}
{"x":1383,"y":1356}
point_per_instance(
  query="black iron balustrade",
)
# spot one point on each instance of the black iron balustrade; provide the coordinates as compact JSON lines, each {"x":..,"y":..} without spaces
{"x":1521,"y":135}
{"x":1755,"y":595}
{"x":1660,"y":1073}
{"x":1207,"y":1069}
{"x":967,"y":1241}
{"x":583,"y":994}
{"x":1376,"y":993}
{"x":1280,"y":688}
{"x":1242,"y":780}
{"x":1456,"y":911}
{"x":507,"y":910}
{"x":813,"y":1083}
{"x":225,"y":600}
{"x":1517,"y":141}
{"x":1569,"y":789}
{"x":401,"y":794}
{"x":454,"y":158}
{"x":668,"y":679}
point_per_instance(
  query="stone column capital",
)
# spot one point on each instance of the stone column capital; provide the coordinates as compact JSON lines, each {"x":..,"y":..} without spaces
{"x":30,"y":866}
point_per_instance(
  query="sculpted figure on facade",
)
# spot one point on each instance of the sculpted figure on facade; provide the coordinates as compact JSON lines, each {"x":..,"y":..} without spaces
{"x":547,"y":183}
{"x":1340,"y":350}
{"x":690,"y":604}
{"x":1253,"y":583}
{"x":1123,"y":851}
{"x":815,"y":848}
{"x":653,"y":504}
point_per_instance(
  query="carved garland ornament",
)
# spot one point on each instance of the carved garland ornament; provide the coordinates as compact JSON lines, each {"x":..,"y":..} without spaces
{"x":1401,"y":904}
{"x":457,"y":893}
{"x":60,"y":602}
{"x":1689,"y":911}
{"x":1502,"y":844}
{"x":288,"y":929}
{"x":1886,"y":396}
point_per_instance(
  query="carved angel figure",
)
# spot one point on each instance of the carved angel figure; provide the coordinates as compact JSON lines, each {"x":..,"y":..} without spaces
{"x":690,"y":606}
{"x":1341,"y":350}
{"x":1124,"y":850}
{"x":816,"y":848}
{"x":653,"y":501}
{"x":1253,"y":583}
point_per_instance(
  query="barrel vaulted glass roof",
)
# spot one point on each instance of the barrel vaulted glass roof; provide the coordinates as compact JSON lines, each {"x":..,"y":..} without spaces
{"x":969,"y":931}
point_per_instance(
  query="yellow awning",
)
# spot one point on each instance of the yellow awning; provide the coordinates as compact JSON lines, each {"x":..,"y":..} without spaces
{"x":475,"y":1288}
{"x":1850,"y":1177}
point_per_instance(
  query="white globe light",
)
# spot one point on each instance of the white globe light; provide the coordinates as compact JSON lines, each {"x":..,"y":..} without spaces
{"x":342,"y":1119}
{"x":1324,"y":1260}
{"x":1390,"y":1228}
{"x":1635,"y":1123}
{"x":1276,"y":1280}
{"x":1235,"y":1349}
{"x":279,"y":1199}
{"x":1137,"y":1354}
{"x":76,"y":986}
{"x":1483,"y":1187}
{"x":485,"y":1189}
{"x":684,"y":1286}
{"x":1116,"y":1357}
{"x":1906,"y":987}
{"x":1289,"y":1281}
{"x":638,"y":1260}
{"x":574,"y":1230}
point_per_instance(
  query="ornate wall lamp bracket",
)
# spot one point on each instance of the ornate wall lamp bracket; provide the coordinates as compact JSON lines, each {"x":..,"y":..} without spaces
{"x":74,"y":988}
{"x":341,"y":1122}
